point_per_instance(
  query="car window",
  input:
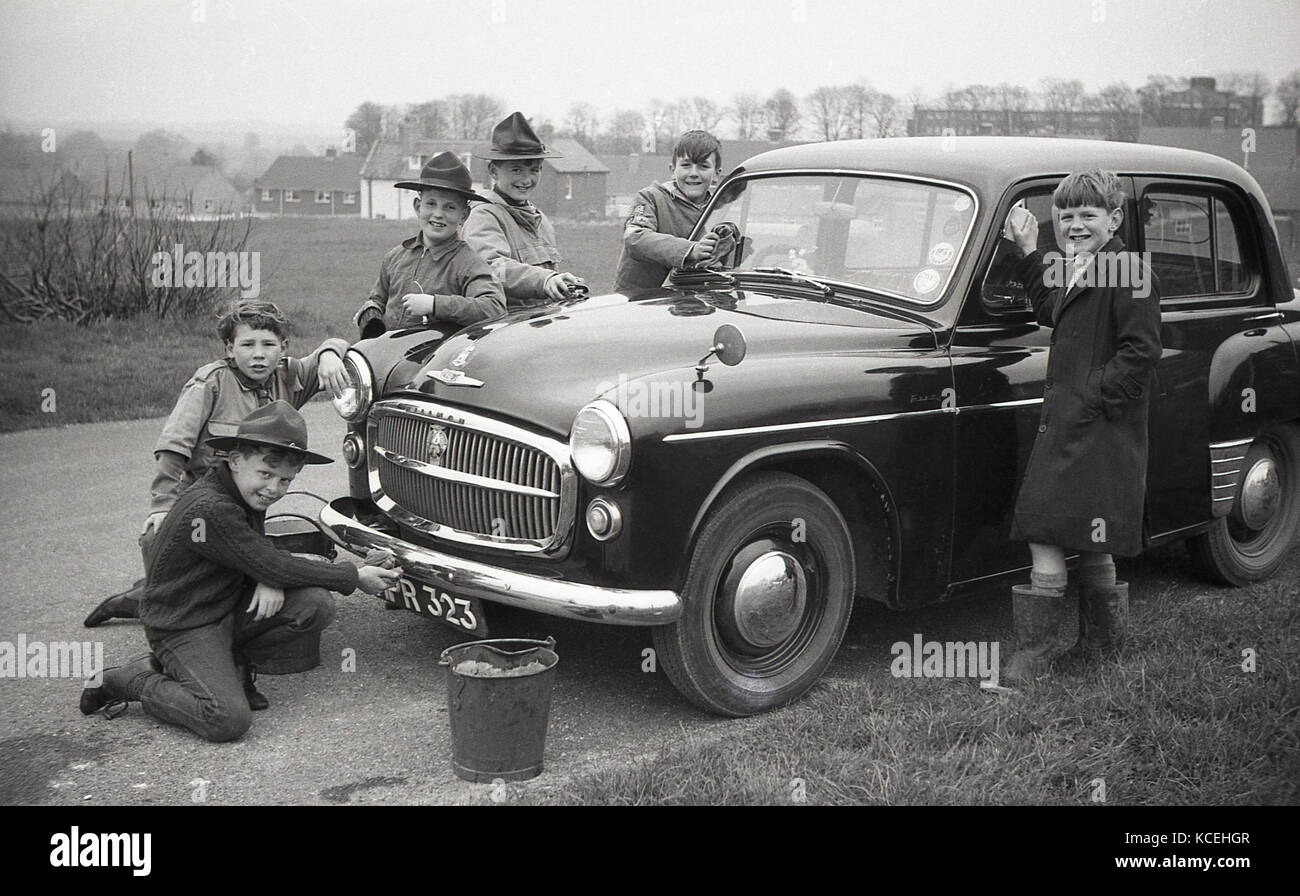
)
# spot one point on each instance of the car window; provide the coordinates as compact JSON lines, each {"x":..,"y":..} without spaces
{"x":896,"y":237}
{"x":1193,"y":244}
{"x":1001,"y":290}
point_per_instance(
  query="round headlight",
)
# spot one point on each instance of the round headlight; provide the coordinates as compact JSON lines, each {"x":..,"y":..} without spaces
{"x":600,"y":443}
{"x":354,"y":403}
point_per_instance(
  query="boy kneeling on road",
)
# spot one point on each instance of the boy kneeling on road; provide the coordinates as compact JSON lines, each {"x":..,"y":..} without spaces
{"x":205,"y":614}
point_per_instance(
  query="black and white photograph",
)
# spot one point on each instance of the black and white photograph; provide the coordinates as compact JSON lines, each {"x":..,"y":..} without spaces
{"x":528,"y":403}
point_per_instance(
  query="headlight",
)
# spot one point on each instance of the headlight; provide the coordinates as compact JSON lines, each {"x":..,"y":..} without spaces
{"x":600,"y":443}
{"x":353,"y":405}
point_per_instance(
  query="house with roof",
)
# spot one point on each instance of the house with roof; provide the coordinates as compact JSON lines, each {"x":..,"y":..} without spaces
{"x":571,"y":187}
{"x":310,"y":185}
{"x":197,"y":192}
{"x":22,"y":186}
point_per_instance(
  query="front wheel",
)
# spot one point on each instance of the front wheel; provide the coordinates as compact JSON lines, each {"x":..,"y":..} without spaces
{"x":1251,"y":542}
{"x":767,"y":598}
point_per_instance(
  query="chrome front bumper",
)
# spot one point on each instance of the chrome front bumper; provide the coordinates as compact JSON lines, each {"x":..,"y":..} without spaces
{"x":554,"y":597}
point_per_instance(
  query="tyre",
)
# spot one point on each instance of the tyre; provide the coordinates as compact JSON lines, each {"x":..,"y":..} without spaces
{"x":767,"y":598}
{"x":1251,"y":542}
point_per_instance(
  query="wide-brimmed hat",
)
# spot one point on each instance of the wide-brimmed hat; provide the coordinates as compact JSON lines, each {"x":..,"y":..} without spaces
{"x":514,"y":139}
{"x":277,"y":425}
{"x":445,"y":171}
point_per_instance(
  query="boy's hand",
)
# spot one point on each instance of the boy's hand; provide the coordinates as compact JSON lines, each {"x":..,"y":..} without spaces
{"x":1021,"y":228}
{"x":329,"y":373}
{"x":557,"y":285}
{"x":267,"y":601}
{"x":417,"y":304}
{"x":376,"y":579}
{"x":703,"y":249}
{"x":153,"y":521}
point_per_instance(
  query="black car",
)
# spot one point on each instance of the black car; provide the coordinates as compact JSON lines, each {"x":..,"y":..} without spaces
{"x":843,"y":408}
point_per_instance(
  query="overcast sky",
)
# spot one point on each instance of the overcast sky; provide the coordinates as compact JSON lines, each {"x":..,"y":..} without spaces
{"x":311,"y":63}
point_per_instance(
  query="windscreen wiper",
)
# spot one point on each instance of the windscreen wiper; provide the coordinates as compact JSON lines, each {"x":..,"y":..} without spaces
{"x":825,"y":289}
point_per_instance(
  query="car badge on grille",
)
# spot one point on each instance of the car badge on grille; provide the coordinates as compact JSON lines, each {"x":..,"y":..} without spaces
{"x":453,"y":377}
{"x":437,"y":444}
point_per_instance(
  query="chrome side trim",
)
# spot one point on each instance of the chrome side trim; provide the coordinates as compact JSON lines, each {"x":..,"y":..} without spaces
{"x":555,"y":597}
{"x":842,"y":421}
{"x":1226,"y":470}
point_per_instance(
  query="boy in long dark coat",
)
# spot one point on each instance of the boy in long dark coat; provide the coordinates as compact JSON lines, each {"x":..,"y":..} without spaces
{"x":1084,"y":487}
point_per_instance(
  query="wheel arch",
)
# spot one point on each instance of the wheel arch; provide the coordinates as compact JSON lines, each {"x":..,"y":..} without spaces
{"x":840,"y":471}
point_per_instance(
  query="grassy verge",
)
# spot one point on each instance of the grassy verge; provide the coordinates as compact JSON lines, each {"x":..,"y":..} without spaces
{"x":1173,"y":721}
{"x":319,"y":272}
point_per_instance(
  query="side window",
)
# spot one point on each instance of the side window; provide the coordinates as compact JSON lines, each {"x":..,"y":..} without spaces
{"x":1001,"y":291}
{"x":1194,"y":245}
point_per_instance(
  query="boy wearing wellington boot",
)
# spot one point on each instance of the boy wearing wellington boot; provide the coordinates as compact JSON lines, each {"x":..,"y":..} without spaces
{"x":1084,"y":486}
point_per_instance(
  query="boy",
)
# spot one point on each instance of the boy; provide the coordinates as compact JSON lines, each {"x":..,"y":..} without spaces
{"x":219,"y":395}
{"x":1085,"y":483}
{"x":437,"y":276}
{"x":655,"y":236}
{"x":510,"y":233}
{"x":204,"y":616}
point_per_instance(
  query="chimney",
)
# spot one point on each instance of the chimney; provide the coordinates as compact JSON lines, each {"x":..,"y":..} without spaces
{"x":331,"y":152}
{"x":1202,"y":83}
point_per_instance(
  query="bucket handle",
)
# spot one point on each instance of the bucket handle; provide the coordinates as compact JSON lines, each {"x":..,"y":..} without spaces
{"x":549,"y":644}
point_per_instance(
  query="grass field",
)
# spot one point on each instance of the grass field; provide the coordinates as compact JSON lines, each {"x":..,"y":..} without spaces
{"x":318,"y":271}
{"x":1175,"y":719}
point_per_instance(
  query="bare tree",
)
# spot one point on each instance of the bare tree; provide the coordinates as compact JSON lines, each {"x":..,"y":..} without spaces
{"x":625,"y":132}
{"x":472,"y":115}
{"x":1118,"y":97}
{"x":1288,"y":97}
{"x":747,"y":110}
{"x":1252,"y":86}
{"x":1152,"y":96}
{"x":704,"y":114}
{"x":582,"y":122}
{"x":825,"y":107}
{"x":429,"y":119}
{"x":367,"y":120}
{"x":783,"y":114}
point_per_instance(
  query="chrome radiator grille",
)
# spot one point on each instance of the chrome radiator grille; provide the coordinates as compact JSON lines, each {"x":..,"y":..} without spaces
{"x":468,"y":478}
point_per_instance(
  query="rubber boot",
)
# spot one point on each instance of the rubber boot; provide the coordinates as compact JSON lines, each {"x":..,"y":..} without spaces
{"x":1103,"y":618}
{"x":123,"y":605}
{"x":118,"y":685}
{"x":256,"y":699}
{"x":1041,"y":619}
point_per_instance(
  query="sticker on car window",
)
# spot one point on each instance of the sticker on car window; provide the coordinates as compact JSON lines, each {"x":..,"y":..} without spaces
{"x":961,"y":203}
{"x":940,"y":253}
{"x":925,"y":281}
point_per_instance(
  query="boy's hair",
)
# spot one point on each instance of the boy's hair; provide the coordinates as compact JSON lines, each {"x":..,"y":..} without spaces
{"x":256,"y":315}
{"x":1100,"y":189}
{"x":697,"y":146}
{"x":273,"y":455}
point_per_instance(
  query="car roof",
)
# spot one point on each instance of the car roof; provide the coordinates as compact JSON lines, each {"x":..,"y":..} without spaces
{"x":990,"y":164}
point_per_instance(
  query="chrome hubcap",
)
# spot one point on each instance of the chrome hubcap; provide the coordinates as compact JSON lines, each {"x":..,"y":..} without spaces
{"x":769,"y":599}
{"x":1261,"y":494}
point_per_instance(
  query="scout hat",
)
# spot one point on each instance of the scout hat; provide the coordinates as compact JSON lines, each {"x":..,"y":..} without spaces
{"x":276,"y":424}
{"x":445,"y":171}
{"x":514,"y":139}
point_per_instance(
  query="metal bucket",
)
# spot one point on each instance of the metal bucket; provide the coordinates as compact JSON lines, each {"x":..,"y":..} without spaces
{"x":498,"y":720}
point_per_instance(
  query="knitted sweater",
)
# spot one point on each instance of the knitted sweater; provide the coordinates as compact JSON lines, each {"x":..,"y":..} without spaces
{"x":211,"y":549}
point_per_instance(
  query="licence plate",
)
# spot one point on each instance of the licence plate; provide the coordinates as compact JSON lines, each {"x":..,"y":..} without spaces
{"x":463,"y":613}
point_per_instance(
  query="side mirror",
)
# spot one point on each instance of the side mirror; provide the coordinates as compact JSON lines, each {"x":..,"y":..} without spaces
{"x":729,"y":345}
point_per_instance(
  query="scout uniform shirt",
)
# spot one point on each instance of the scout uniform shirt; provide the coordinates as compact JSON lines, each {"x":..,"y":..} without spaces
{"x":452,"y":272}
{"x":518,"y":243}
{"x":654,"y":240}
{"x":213,"y":403}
